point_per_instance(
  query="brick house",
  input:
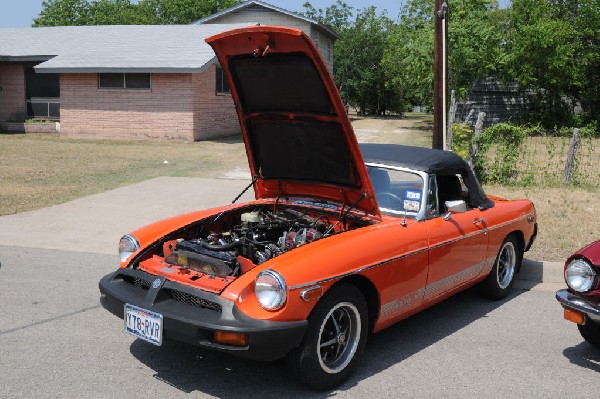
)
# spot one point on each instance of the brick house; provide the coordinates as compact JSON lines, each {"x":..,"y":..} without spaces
{"x":130,"y":82}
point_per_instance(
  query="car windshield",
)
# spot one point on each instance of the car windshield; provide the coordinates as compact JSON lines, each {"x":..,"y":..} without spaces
{"x":398,"y":192}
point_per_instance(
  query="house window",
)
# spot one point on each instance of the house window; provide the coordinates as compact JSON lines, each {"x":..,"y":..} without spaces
{"x":42,"y":93}
{"x":124,"y":80}
{"x":221,"y":82}
{"x":316,"y":38}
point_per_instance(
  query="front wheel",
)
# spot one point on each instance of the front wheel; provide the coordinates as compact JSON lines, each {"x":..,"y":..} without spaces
{"x":498,"y":283}
{"x":334,"y":340}
{"x":590,"y":331}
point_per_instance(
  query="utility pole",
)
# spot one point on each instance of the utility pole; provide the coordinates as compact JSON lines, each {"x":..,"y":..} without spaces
{"x":440,"y":68}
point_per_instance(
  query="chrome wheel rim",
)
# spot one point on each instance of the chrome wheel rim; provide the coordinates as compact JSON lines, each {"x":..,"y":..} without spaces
{"x":338,"y":337}
{"x":506,"y":263}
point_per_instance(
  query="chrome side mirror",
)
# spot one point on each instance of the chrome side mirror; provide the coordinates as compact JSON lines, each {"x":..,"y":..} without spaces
{"x":458,"y":206}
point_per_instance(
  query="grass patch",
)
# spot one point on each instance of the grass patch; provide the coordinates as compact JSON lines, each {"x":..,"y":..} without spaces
{"x":567,"y":218}
{"x":40,"y":170}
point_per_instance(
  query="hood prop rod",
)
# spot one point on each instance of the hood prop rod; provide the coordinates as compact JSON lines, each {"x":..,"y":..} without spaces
{"x":254,"y":179}
{"x":345,"y":214}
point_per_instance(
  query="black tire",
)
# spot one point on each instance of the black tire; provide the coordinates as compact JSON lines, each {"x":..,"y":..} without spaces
{"x":499,"y":282}
{"x":590,"y":331}
{"x":334,"y":340}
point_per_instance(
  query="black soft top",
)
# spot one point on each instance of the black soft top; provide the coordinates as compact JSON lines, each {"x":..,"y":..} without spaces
{"x":418,"y":158}
{"x":427,"y":160}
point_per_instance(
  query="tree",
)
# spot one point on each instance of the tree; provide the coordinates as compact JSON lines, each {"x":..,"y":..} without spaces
{"x":185,"y":11}
{"x":474,"y":49}
{"x":553,"y":49}
{"x":125,"y":12}
{"x":337,"y":16}
{"x":358,"y":70}
{"x":63,"y":13}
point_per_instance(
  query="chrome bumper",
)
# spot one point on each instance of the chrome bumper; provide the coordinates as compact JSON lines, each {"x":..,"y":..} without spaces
{"x":588,"y":306}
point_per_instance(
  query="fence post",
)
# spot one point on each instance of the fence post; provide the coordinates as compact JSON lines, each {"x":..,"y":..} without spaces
{"x":451,"y":115}
{"x":474,"y":146}
{"x":570,"y":165}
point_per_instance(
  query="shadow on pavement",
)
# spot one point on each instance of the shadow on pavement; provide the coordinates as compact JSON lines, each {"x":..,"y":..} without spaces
{"x":584,"y":355}
{"x":530,"y":275}
{"x":192,"y":369}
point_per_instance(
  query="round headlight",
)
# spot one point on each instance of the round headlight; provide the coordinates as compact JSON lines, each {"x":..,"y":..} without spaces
{"x":579,"y":275}
{"x":127,"y":246}
{"x":270,"y":290}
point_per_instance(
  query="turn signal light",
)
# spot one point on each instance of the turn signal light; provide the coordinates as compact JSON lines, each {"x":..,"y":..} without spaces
{"x":574,"y":316}
{"x":230,"y":338}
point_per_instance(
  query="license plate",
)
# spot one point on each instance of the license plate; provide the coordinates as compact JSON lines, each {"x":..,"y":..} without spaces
{"x":143,"y":324}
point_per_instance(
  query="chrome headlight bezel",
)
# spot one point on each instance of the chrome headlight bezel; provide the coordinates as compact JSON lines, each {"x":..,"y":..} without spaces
{"x":580,"y":275}
{"x":128,"y":245}
{"x":270,"y":290}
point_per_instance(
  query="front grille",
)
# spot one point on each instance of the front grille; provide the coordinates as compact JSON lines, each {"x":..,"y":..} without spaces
{"x":193,"y":300}
{"x":138,"y":282}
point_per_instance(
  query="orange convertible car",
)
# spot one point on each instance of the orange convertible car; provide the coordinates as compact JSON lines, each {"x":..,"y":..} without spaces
{"x":341,"y":241}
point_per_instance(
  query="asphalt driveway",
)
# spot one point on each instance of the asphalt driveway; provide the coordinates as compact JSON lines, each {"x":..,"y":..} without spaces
{"x":57,"y":342}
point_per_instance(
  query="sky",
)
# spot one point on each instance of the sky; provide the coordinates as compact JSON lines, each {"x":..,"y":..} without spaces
{"x":21,"y":13}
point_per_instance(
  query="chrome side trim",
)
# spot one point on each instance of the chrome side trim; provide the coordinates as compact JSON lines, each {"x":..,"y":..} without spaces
{"x":483,"y":231}
{"x":441,"y":244}
{"x":455,"y":280}
{"x":507,"y":223}
{"x":399,"y":305}
{"x":362,"y":269}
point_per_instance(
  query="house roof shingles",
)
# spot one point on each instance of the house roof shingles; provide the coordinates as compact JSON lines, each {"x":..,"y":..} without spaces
{"x":113,"y":48}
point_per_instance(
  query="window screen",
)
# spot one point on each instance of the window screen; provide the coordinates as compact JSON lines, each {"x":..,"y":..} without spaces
{"x":222,"y":85}
{"x":124,"y":80}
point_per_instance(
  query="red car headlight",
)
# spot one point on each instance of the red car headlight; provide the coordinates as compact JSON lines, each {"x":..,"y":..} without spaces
{"x":580,"y":276}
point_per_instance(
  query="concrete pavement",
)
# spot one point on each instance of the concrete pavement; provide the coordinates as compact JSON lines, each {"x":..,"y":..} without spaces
{"x":96,"y":223}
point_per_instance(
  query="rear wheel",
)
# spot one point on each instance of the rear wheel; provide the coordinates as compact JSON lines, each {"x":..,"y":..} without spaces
{"x":590,"y":331}
{"x":498,"y":283}
{"x":334,"y":340}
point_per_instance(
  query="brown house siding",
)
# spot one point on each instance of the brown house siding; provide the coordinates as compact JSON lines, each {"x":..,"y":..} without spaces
{"x":12,"y":96}
{"x":164,"y":111}
{"x":177,"y":107}
{"x":214,"y":114}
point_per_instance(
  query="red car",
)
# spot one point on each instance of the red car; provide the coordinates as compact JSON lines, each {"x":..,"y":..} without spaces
{"x":581,"y":301}
{"x":342,"y":240}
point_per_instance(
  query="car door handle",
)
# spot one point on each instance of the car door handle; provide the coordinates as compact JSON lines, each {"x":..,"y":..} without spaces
{"x":476,"y":221}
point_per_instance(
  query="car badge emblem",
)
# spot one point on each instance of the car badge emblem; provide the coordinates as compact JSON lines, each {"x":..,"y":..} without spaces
{"x":156,"y":283}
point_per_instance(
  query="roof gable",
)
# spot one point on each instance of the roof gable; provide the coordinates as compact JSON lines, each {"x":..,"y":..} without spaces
{"x":254,"y":4}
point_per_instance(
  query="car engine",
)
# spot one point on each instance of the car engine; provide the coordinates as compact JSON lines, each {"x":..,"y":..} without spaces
{"x":259,"y":236}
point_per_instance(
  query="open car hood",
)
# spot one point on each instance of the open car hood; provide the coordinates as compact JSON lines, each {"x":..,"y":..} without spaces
{"x":299,"y":140}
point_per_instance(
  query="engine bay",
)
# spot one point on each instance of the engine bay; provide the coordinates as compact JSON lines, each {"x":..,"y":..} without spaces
{"x":227,"y":245}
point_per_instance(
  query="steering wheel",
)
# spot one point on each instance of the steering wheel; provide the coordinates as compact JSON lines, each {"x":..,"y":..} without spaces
{"x":389,"y":200}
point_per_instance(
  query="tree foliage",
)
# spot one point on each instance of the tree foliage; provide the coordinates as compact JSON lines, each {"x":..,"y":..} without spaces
{"x":358,"y":67}
{"x":553,"y":49}
{"x":126,"y":12}
{"x":473,"y":47}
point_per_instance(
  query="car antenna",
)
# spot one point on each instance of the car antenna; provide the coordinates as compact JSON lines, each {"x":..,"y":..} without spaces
{"x":403,"y":221}
{"x":254,"y":179}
